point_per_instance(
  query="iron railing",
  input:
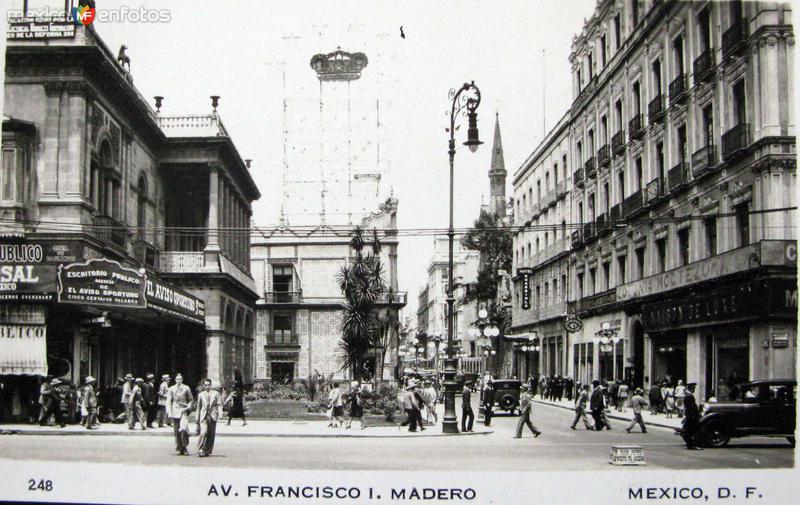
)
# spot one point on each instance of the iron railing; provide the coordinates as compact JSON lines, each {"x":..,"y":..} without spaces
{"x":577,"y":178}
{"x":283,"y":296}
{"x":734,"y":38}
{"x":577,"y":239}
{"x":615,"y":214}
{"x":632,"y":203}
{"x":704,"y":66}
{"x":678,"y":175}
{"x":703,"y":160}
{"x":146,"y":253}
{"x":735,"y":139}
{"x":636,"y":127}
{"x":677,"y":88}
{"x":108,"y":229}
{"x":655,"y":110}
{"x":591,"y":168}
{"x":604,"y":155}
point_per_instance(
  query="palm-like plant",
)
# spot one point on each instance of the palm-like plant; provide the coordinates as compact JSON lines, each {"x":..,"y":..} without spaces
{"x":362,"y":284}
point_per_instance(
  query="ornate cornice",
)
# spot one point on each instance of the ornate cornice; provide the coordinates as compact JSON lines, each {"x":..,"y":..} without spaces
{"x":53,"y":88}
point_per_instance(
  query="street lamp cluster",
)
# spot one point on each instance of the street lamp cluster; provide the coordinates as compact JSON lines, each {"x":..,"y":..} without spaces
{"x":606,"y":338}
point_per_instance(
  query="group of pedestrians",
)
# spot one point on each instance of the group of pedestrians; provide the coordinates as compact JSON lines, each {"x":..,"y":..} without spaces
{"x":416,"y":399}
{"x":552,"y":387}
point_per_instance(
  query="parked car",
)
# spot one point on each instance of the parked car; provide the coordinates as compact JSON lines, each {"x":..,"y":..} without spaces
{"x":761,"y":408}
{"x":506,"y":394}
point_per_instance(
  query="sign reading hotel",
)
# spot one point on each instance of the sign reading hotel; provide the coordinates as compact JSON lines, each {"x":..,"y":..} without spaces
{"x":526,"y":286}
{"x":100,"y":282}
{"x":40,"y":27}
{"x":710,"y":268}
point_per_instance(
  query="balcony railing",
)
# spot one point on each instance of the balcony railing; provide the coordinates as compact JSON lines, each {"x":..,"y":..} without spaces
{"x":654,"y":190}
{"x":108,"y":229}
{"x":534,"y":210}
{"x":146,"y":253}
{"x":181,"y":261}
{"x":561,"y":190}
{"x":591,"y":168}
{"x":734,"y":38}
{"x":604,"y":156}
{"x":704,"y":66}
{"x":735,"y":140}
{"x":589,"y":232}
{"x":632,"y":203}
{"x":636,"y":127}
{"x":603,"y":226}
{"x":577,"y":239}
{"x":597,"y":300}
{"x":615,"y":214}
{"x":655,"y":110}
{"x":618,"y":142}
{"x":279,"y":340}
{"x":577,"y":178}
{"x":283,"y":296}
{"x":703,"y":161}
{"x":392,"y":298}
{"x":677,"y":89}
{"x":678,"y":175}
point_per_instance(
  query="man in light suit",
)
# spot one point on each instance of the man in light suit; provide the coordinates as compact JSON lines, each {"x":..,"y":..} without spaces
{"x":162,"y":401}
{"x":179,"y":404}
{"x":209,"y":404}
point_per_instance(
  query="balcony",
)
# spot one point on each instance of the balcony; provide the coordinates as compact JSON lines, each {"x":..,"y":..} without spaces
{"x":614,"y":215}
{"x":735,"y":141}
{"x":275,"y":340}
{"x":703,"y":161}
{"x":603,"y":226}
{"x":633,"y":203}
{"x":734,"y":40}
{"x":636,"y":127}
{"x":549,"y":199}
{"x":283,"y":296}
{"x":577,"y":239}
{"x":534,"y":210}
{"x":678,"y":176}
{"x":597,"y":300}
{"x":653,"y":191}
{"x":589,"y":232}
{"x":146,"y":253}
{"x":392,"y":298}
{"x":591,"y":168}
{"x":655,"y":110}
{"x":561,"y":190}
{"x":704,"y":66}
{"x":618,"y":142}
{"x":109,"y":230}
{"x":604,"y":156}
{"x":677,"y":89}
{"x":577,"y":178}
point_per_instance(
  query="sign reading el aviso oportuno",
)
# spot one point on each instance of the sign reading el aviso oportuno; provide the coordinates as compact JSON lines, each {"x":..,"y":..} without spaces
{"x":166,"y":298}
{"x":101,"y":282}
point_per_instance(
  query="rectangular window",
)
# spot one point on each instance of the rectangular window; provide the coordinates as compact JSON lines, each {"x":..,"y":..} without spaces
{"x":282,"y":283}
{"x":637,"y":98}
{"x":683,"y":148}
{"x":708,"y":125}
{"x":683,"y":246}
{"x":639,"y":174}
{"x":603,"y":50}
{"x":621,"y":278}
{"x":662,"y":176}
{"x":640,"y":262}
{"x":556,"y":292}
{"x":606,"y":276}
{"x":618,"y":115}
{"x":590,"y":64}
{"x":743,"y":224}
{"x":617,"y":32}
{"x":635,"y":12}
{"x":677,"y":51}
{"x":661,"y":255}
{"x":621,"y":185}
{"x":538,"y":191}
{"x":538,"y":296}
{"x":704,"y":27}
{"x":564,"y":166}
{"x":282,"y":329}
{"x":555,"y":175}
{"x":579,"y":287}
{"x":657,"y":77}
{"x":8,"y":175}
{"x":606,"y":199}
{"x":592,"y":281}
{"x":739,"y":109}
{"x":564,"y":287}
{"x":710,"y":225}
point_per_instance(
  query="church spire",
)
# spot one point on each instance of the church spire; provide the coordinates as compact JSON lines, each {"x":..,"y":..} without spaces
{"x":497,"y":174}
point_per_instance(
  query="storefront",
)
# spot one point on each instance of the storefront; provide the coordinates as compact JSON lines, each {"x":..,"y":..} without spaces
{"x":599,"y":348}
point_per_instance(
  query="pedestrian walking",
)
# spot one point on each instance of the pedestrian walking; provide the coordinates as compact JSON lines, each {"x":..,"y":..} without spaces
{"x":637,"y":403}
{"x":668,"y":393}
{"x":691,"y":419}
{"x":150,"y":399}
{"x":429,"y":395}
{"x":89,"y":403}
{"x":597,"y":406}
{"x":680,"y":394}
{"x":488,"y":402}
{"x":613,"y":393}
{"x":162,"y":402}
{"x":356,"y":407}
{"x":525,"y":405}
{"x":467,"y":416}
{"x":209,"y":405}
{"x":569,"y":386}
{"x":127,"y":397}
{"x":137,"y":400}
{"x":580,"y":408}
{"x":654,"y":395}
{"x":411,"y":406}
{"x":237,"y":406}
{"x":622,"y":396}
{"x":44,"y":399}
{"x":179,"y":404}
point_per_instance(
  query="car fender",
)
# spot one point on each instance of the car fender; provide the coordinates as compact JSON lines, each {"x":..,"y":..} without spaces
{"x":713,"y":416}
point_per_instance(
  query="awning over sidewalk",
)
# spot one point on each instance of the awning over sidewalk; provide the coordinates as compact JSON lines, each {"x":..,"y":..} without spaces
{"x":23,"y":349}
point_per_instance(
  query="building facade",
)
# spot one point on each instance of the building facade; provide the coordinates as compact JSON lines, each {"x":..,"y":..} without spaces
{"x":108,"y":266}
{"x":681,"y":141}
{"x":299,"y":312}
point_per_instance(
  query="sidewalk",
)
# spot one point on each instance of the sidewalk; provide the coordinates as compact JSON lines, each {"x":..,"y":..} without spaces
{"x":254,"y":428}
{"x":625,"y":415}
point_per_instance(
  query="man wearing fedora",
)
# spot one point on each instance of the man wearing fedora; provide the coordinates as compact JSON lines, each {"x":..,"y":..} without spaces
{"x":209,"y":405}
{"x":467,"y":415}
{"x":411,"y":406}
{"x":149,"y":396}
{"x":137,"y":413}
{"x":691,"y":419}
{"x":52,"y":403}
{"x":89,"y":403}
{"x":127,"y":397}
{"x":162,"y":401}
{"x":525,"y":413}
{"x":179,"y":404}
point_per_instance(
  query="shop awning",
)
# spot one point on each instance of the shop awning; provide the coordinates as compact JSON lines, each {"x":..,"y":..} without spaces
{"x":23,"y":349}
{"x":522,"y":337}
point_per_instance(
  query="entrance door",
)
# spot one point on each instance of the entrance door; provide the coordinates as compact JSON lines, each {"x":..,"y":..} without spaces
{"x":638,"y":355}
{"x":282,"y":371}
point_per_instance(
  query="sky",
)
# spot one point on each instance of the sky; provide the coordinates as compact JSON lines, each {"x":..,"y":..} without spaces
{"x":239,"y":49}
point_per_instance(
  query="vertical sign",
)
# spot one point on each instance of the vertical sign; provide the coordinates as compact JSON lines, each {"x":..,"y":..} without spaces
{"x":526,"y":286}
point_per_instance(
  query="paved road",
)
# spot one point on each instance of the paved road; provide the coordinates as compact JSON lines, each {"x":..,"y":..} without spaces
{"x":559,"y":448}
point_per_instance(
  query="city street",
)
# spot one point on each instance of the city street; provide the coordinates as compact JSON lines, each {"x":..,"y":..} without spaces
{"x":559,"y":448}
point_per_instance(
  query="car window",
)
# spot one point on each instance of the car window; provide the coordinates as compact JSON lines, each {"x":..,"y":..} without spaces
{"x":781,"y":394}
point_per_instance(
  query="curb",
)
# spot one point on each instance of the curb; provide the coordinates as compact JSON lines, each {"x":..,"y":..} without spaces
{"x":96,"y":433}
{"x":611,"y":416}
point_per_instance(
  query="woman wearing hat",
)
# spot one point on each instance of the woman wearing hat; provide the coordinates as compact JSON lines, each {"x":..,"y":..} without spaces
{"x":89,"y":403}
{"x":356,"y":407}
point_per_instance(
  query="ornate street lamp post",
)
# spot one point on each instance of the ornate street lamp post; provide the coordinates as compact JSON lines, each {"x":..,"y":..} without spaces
{"x":467,"y":98}
{"x":607,"y":340}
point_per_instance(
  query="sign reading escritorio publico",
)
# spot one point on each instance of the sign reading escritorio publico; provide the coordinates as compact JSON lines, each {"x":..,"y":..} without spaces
{"x":101,"y":282}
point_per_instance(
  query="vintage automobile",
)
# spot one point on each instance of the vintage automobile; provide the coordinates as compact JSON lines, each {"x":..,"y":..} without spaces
{"x":761,"y":408}
{"x":506,"y":394}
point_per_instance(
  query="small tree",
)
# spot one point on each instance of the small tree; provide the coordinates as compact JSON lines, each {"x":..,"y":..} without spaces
{"x":495,"y":244}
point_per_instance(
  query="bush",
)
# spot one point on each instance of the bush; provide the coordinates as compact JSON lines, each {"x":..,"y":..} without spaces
{"x":382,"y":401}
{"x":269,"y":391}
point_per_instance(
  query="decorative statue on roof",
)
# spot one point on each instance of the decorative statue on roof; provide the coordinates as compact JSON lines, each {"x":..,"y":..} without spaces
{"x":123,"y":59}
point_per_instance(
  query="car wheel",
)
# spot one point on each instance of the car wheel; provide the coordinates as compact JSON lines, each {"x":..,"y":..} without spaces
{"x":715,"y":435}
{"x":507,"y":402}
{"x":791,"y":441}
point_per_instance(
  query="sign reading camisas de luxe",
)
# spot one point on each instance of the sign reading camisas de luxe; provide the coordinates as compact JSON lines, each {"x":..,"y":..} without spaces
{"x":719,"y":305}
{"x":100,"y":282}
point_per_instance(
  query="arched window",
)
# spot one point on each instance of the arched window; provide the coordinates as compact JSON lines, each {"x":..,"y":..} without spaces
{"x":106,"y":184}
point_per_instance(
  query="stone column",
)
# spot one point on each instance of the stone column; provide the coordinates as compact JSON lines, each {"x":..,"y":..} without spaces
{"x":211,"y":251}
{"x":51,"y":142}
{"x":73,"y":157}
{"x":696,"y":363}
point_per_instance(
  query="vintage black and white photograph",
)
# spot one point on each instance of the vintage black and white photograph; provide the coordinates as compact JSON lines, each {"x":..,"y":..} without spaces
{"x":480,"y":242}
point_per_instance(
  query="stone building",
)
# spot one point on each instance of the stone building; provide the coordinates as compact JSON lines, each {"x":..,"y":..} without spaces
{"x":299,"y":311}
{"x":682,"y":160}
{"x":117,"y":221}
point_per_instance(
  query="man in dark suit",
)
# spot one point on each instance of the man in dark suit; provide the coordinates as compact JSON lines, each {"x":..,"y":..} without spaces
{"x":488,"y":402}
{"x":596,"y":405}
{"x":149,"y":400}
{"x":467,"y":416}
{"x":691,"y":419}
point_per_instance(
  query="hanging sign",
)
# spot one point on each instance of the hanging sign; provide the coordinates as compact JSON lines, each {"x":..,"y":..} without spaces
{"x":101,"y":282}
{"x":526,"y":286}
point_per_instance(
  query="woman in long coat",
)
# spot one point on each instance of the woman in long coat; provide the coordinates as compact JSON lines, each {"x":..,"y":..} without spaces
{"x":236,"y":398}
